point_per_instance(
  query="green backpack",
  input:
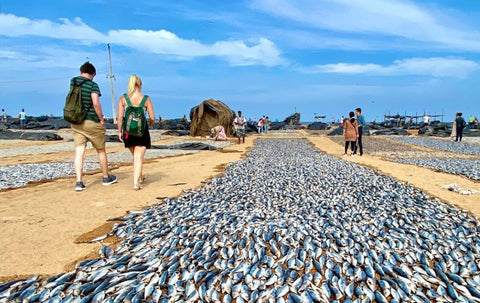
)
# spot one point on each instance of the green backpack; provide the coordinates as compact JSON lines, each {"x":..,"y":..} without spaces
{"x":135,"y":122}
{"x":73,"y":111}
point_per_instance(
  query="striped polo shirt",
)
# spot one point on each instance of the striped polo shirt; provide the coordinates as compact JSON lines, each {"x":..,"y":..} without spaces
{"x":87,"y":88}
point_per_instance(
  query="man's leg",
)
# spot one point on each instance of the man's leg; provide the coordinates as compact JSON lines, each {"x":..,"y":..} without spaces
{"x":78,"y":161}
{"x":102,"y":160}
{"x":360,"y":144}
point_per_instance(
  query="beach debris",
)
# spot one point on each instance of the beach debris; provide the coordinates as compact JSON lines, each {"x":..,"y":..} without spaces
{"x":454,"y":187}
{"x":286,"y":224}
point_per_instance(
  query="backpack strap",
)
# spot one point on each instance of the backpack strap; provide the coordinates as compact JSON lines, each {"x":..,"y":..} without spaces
{"x":142,"y":103}
{"x":129,"y":103}
{"x":145,"y":97}
{"x":81,"y":83}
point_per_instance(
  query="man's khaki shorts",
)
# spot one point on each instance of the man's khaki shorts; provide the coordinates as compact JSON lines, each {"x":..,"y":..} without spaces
{"x":89,"y":131}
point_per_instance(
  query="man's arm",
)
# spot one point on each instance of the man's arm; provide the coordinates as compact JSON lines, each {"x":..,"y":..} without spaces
{"x":97,"y":107}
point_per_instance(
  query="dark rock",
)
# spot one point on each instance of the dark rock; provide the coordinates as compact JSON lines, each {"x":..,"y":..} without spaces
{"x":319,"y":126}
{"x":110,"y":125}
{"x":425,"y":130}
{"x":34,"y":136}
{"x":338,"y":131}
{"x":187,"y":146}
{"x":391,"y":131}
{"x":173,"y":124}
{"x":176,"y":133}
{"x":276,"y":125}
{"x":374,"y":126}
{"x":112,"y":138}
{"x":293,"y":119}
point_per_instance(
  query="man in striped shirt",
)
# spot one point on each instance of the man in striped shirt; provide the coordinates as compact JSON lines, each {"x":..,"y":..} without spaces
{"x":92,"y":128}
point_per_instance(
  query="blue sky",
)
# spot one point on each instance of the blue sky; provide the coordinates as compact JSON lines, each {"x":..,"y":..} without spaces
{"x":264,"y":57}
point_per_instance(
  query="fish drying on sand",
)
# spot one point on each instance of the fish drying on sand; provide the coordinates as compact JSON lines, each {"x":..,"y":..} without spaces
{"x":286,"y":224}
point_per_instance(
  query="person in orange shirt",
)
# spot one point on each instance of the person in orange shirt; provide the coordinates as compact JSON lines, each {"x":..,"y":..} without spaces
{"x":350,"y":133}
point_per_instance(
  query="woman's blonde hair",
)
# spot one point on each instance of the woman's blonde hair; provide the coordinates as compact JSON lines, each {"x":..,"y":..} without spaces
{"x":133,"y":82}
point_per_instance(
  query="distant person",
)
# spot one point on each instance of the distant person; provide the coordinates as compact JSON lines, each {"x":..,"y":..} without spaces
{"x":471,"y":119}
{"x":239,"y":124}
{"x":266,"y":123}
{"x":453,"y":135}
{"x":350,"y":133}
{"x":92,"y":128}
{"x":218,"y":133}
{"x":361,"y":123}
{"x":426,"y":120}
{"x":136,"y":144}
{"x":342,"y":120}
{"x":23,"y":117}
{"x":260,"y":125}
{"x":460,"y":126}
{"x":4,"y":115}
{"x":333,"y":121}
{"x":475,"y":123}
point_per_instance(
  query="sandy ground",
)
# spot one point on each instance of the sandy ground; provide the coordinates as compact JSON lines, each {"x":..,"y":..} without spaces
{"x":46,"y":227}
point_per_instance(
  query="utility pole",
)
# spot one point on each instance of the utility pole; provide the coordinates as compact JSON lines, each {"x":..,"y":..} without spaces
{"x":112,"y":77}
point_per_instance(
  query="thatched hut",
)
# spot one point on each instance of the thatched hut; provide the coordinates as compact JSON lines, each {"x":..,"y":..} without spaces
{"x":208,"y":114}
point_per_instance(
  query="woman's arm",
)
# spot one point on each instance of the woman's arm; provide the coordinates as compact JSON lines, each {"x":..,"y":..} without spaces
{"x":150,"y":111}
{"x":120,"y":111}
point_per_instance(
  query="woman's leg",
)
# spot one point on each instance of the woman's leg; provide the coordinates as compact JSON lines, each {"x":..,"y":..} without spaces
{"x":352,"y":146}
{"x":346,"y":147}
{"x":138,"y":154}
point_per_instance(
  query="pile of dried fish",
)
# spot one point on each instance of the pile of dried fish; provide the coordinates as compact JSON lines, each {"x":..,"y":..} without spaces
{"x":286,"y":224}
{"x":470,"y":168}
{"x":440,"y":144}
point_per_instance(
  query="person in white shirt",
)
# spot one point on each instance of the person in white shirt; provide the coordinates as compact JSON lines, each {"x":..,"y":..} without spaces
{"x":426,"y":120}
{"x":239,"y":123}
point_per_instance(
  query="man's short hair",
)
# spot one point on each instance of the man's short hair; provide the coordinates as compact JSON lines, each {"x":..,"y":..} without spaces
{"x":239,"y":112}
{"x":88,"y":68}
{"x":358,"y":109}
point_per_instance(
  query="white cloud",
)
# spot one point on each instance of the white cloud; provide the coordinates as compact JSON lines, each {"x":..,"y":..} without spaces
{"x":13,"y":26}
{"x":7,"y":54}
{"x":388,"y":18}
{"x":435,"y":67}
{"x":236,"y":52}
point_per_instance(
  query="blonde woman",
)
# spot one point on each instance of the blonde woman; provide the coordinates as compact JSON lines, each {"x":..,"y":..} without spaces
{"x":136,"y":144}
